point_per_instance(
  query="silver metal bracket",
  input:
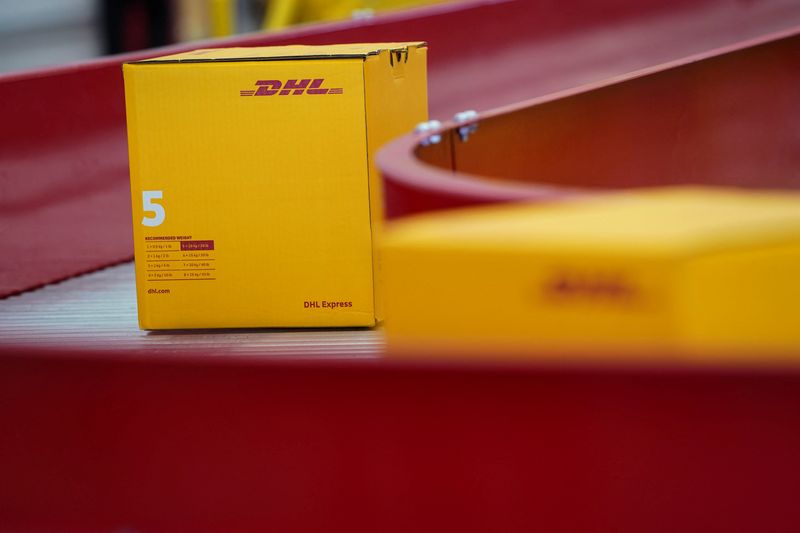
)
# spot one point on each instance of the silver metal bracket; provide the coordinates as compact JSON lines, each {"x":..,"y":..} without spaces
{"x":468,"y":123}
{"x":430,"y":131}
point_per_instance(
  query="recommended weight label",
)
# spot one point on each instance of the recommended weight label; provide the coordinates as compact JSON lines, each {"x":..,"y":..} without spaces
{"x":180,"y":258}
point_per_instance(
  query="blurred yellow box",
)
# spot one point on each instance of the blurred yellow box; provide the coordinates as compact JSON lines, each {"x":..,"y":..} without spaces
{"x":254,"y":190}
{"x":669,"y":271}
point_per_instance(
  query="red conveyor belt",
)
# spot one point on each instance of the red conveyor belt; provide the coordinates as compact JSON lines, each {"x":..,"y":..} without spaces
{"x":108,"y":428}
{"x":98,"y":310}
{"x":63,"y":164}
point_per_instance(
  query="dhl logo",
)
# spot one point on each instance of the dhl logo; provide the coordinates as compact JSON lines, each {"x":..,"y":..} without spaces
{"x":592,"y":286}
{"x":293,"y":87}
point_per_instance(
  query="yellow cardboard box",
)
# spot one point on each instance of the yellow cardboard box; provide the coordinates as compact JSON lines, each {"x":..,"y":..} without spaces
{"x":254,"y":191}
{"x":671,"y":271}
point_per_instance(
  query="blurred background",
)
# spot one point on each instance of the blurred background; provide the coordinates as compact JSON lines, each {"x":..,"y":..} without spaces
{"x":39,"y":33}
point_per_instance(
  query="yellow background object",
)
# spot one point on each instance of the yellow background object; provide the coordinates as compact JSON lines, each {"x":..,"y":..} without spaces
{"x":223,"y":18}
{"x":684,"y":271}
{"x":282,"y":13}
{"x":253,"y":200}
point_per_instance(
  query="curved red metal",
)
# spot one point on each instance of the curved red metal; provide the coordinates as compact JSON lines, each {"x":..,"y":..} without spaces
{"x":724,"y":117}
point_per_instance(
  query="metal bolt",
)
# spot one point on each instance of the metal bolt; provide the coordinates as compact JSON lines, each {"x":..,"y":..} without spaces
{"x":431,"y":127}
{"x":466,"y":130}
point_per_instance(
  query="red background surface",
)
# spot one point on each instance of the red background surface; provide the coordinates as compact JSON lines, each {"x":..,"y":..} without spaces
{"x":118,"y":442}
{"x":150,"y":440}
{"x":64,"y":193}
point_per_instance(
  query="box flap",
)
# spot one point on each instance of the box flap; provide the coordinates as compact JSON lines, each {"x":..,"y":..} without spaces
{"x":277,"y":53}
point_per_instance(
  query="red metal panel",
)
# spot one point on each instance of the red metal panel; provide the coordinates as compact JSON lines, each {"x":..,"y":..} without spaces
{"x":136,"y":444}
{"x":726,"y":117}
{"x":63,"y":165}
